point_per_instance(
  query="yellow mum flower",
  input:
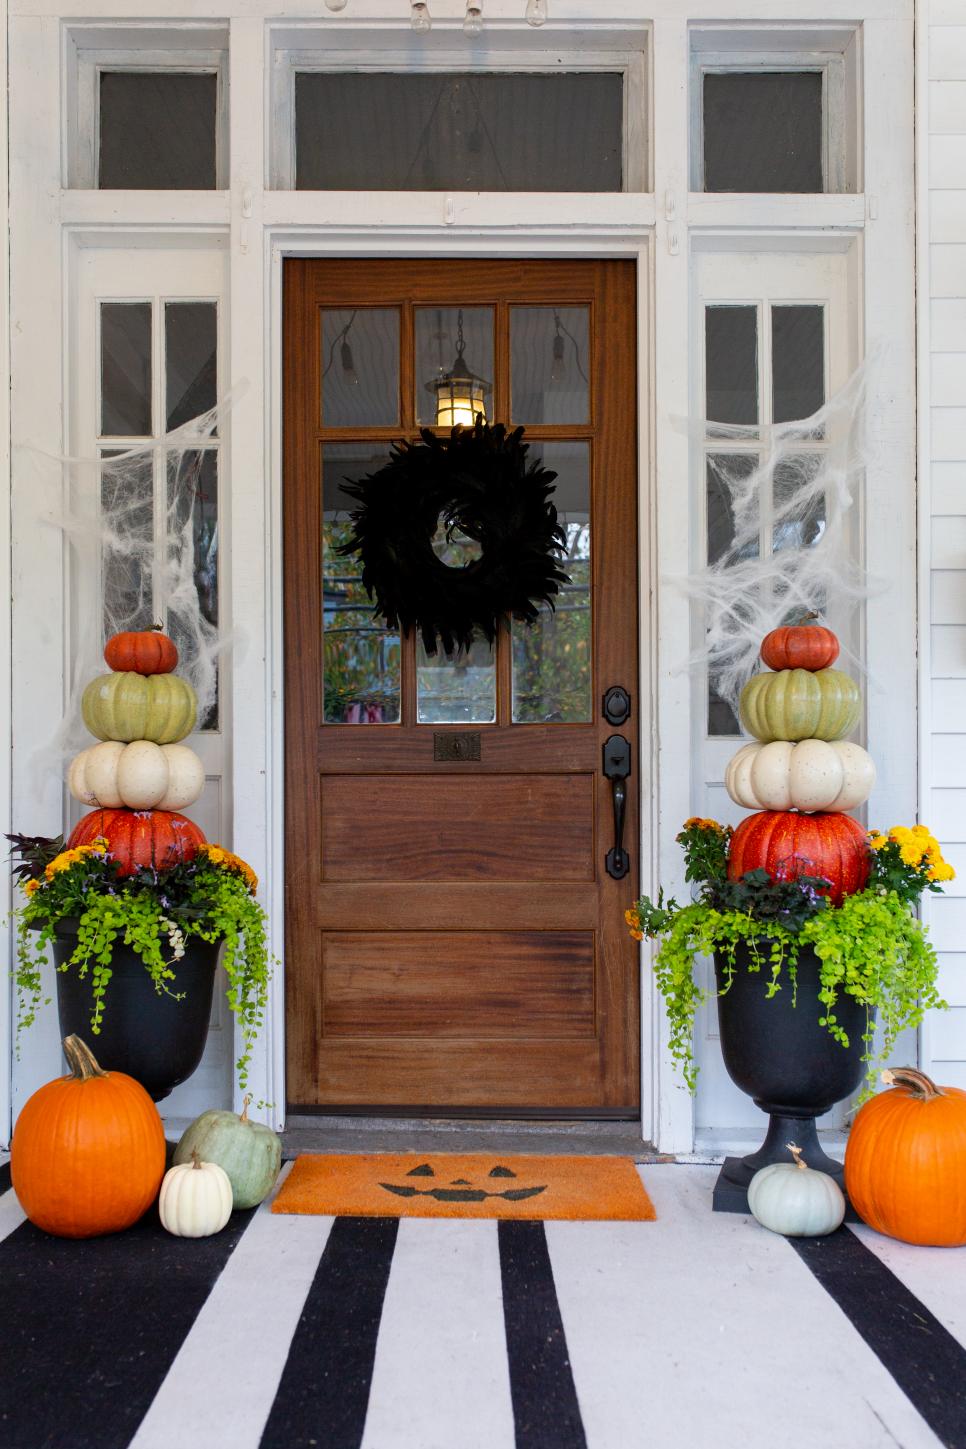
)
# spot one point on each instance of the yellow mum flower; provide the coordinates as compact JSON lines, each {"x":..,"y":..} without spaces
{"x":30,"y":886}
{"x":630,"y":917}
{"x":877,"y":841}
{"x":218,"y":855}
{"x":64,"y":861}
{"x":638,"y":935}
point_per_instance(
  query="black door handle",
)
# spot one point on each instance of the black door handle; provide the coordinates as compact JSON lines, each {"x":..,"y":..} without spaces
{"x":617,"y":767}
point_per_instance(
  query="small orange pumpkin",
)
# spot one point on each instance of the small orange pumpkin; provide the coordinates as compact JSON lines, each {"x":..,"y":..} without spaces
{"x":905,"y":1161}
{"x":800,"y":646}
{"x":87,"y":1155}
{"x":142,"y":651}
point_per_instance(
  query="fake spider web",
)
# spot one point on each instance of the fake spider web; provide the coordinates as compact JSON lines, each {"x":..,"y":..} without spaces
{"x":142,"y":533}
{"x":790,"y":553}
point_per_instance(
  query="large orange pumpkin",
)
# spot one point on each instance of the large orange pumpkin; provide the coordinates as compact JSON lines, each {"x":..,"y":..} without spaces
{"x":905,"y":1161}
{"x":142,"y":651}
{"x":155,"y":838}
{"x":785,"y":843}
{"x":87,"y":1155}
{"x":800,"y":646}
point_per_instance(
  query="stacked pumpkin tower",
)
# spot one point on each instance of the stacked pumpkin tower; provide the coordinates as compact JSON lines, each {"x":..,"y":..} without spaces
{"x":801,"y":776}
{"x":140,"y":776}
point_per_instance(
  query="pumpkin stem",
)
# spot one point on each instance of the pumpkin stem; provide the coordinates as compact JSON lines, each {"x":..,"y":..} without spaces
{"x":797,"y":1154}
{"x":81,"y":1060}
{"x":244,"y":1110}
{"x":921,"y":1086}
{"x":807,"y":618}
{"x":195,"y":1159}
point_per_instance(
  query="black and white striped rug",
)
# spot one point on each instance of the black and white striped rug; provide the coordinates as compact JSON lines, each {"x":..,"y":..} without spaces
{"x":284,"y":1332}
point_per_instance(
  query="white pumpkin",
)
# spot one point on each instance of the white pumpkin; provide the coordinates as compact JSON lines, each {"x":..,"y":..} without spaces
{"x":807,"y":775}
{"x":195,"y":1199}
{"x":790,"y":1198}
{"x":140,"y":776}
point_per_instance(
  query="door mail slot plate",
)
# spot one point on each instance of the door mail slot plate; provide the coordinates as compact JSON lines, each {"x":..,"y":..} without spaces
{"x":456,"y":745}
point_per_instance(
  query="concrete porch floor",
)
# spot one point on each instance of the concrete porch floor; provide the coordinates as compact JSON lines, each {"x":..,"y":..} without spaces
{"x":695,"y":1330}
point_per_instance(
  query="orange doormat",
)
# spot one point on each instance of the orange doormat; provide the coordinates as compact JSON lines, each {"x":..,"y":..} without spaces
{"x":465,"y":1185}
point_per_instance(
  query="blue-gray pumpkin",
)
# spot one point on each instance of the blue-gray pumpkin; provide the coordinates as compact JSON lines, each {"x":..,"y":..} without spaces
{"x":250,"y":1153}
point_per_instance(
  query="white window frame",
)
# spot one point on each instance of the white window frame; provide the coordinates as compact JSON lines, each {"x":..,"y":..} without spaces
{"x":294,"y":54}
{"x":261,"y":226}
{"x":91,"y":50}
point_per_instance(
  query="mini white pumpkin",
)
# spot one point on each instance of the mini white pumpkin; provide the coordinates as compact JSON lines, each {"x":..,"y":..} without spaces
{"x":790,"y":1198}
{"x":140,"y":776}
{"x":195,"y":1199}
{"x":807,"y":775}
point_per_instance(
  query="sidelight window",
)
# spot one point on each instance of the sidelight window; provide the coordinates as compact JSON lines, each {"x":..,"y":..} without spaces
{"x":158,"y":369}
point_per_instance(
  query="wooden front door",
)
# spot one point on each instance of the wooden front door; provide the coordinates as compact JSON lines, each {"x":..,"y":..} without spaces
{"x":454,"y":940}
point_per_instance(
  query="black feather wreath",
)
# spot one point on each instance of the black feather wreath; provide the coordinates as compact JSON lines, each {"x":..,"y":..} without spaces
{"x":478,"y":481}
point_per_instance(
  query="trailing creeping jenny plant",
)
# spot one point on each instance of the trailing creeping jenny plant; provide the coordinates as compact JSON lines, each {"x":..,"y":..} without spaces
{"x":871,"y":946}
{"x":153,"y":909}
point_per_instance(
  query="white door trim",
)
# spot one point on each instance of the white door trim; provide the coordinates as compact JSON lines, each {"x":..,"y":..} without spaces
{"x":268,"y":1068}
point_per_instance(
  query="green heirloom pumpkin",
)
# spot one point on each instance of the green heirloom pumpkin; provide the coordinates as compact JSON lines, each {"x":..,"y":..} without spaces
{"x":796,"y":704}
{"x":250,"y":1153}
{"x":158,"y":707}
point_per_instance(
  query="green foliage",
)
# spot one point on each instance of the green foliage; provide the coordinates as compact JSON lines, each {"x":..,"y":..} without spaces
{"x":872,"y":947}
{"x":788,"y":902}
{"x":155,"y":912}
{"x":705,"y":844}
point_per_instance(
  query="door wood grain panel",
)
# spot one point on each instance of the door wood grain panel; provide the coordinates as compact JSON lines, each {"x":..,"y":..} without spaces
{"x":473,"y":985}
{"x":417,"y":827}
{"x":453,"y":940}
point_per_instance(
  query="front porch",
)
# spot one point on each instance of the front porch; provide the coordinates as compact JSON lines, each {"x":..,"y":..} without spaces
{"x":693,"y":1330}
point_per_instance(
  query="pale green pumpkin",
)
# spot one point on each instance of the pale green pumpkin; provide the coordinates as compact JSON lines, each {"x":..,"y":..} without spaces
{"x":250,"y":1153}
{"x":125,"y":707}
{"x":793,"y":1199}
{"x":796,"y":704}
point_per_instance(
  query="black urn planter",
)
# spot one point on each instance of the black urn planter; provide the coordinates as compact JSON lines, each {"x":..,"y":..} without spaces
{"x":154,"y":1038}
{"x":793,"y":1068}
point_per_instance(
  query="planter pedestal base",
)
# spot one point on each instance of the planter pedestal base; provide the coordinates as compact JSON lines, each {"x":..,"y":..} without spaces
{"x":731,"y":1189}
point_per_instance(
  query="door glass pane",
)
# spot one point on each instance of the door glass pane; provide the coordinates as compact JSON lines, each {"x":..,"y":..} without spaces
{"x":798,"y":361}
{"x":549,"y":364}
{"x":360,"y":367}
{"x":731,"y":364}
{"x":456,"y":688}
{"x":190,"y":360}
{"x":193,"y":526}
{"x":126,"y":369}
{"x":454,"y":365}
{"x":127,"y":500}
{"x":802,"y":526}
{"x":763,"y":131}
{"x":388,"y":131}
{"x":361,"y":656}
{"x":720,"y":468}
{"x":552,"y":673}
{"x":157,"y":130}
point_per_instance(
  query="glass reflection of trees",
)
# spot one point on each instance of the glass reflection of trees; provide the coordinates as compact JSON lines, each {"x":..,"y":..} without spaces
{"x":551,"y":660}
{"x":361,"y":684}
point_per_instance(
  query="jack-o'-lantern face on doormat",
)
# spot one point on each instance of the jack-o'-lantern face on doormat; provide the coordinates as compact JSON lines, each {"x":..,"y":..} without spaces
{"x":464,"y":1185}
{"x":461,"y":1189}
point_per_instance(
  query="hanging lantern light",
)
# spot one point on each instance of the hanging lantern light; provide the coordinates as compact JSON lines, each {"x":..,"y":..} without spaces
{"x":460,"y":393}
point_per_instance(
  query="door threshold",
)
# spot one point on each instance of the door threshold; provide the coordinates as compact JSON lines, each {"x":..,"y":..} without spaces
{"x":306,"y":1132}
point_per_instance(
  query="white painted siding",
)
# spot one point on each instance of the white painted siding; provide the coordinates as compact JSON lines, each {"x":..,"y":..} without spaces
{"x":942,"y":209}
